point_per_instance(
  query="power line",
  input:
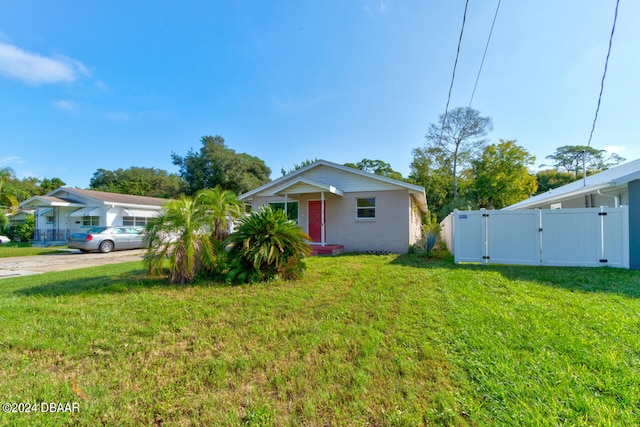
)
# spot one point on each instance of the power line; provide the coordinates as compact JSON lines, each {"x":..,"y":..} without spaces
{"x":606,"y":63}
{"x":485,"y":52}
{"x":453,"y":76}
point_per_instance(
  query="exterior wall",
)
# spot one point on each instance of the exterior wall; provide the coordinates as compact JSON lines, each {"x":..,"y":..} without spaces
{"x":634,"y":225}
{"x":415,"y":222}
{"x":590,"y":201}
{"x":390,"y":231}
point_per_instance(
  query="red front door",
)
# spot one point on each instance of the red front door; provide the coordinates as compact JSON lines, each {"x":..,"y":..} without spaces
{"x":315,"y":220}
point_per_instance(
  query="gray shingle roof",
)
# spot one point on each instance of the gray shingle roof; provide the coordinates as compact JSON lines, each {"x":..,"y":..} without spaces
{"x":117,"y":198}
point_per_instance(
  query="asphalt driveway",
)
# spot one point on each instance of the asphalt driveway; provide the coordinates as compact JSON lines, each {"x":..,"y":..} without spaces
{"x":71,"y":260}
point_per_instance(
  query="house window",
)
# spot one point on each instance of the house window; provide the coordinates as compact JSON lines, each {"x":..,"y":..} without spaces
{"x":90,"y":221}
{"x":134,"y":221}
{"x":50,"y":219}
{"x":366,"y":208}
{"x":292,"y":209}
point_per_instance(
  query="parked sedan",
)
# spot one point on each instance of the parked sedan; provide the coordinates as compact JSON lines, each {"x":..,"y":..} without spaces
{"x":107,"y":239}
{"x":4,"y":239}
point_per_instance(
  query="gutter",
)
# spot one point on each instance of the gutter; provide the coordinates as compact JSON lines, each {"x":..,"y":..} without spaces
{"x":549,"y":200}
{"x":616,"y":199}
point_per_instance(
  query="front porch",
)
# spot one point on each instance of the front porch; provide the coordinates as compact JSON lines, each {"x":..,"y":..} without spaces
{"x":319,"y":249}
{"x":44,"y":237}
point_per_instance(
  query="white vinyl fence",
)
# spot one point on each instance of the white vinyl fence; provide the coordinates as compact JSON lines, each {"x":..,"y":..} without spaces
{"x":588,"y":237}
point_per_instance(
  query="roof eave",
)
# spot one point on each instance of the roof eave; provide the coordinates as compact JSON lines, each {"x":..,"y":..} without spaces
{"x":555,"y":198}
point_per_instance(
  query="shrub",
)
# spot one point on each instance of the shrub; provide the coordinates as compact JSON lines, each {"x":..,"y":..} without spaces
{"x":267,"y":245}
{"x":185,"y":235}
{"x":25,"y":230}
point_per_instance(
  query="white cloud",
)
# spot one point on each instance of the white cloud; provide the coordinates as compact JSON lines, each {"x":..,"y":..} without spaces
{"x":382,"y":8}
{"x":36,"y":69}
{"x":11,"y":159}
{"x":63,"y":104}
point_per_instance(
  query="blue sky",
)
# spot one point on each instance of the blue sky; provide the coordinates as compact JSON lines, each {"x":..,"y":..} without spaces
{"x":113,"y":84}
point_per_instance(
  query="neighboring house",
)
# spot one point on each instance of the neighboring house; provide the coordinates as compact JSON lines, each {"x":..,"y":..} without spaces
{"x":64,"y":211}
{"x":613,"y":187}
{"x":19,"y":217}
{"x":362,"y":212}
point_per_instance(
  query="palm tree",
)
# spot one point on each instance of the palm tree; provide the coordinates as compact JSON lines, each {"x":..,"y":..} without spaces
{"x":184,"y":233}
{"x":267,"y":244}
{"x":7,"y":200}
{"x":223,"y":207}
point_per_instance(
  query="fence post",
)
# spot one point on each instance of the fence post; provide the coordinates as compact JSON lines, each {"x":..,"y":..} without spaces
{"x":485,"y":235}
{"x":602,"y":214}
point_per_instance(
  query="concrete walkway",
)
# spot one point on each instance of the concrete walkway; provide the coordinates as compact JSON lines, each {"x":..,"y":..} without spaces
{"x":71,"y":260}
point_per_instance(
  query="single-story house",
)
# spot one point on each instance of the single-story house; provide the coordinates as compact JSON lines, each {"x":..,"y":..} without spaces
{"x":64,"y":211}
{"x":342,"y":208}
{"x":19,"y":216}
{"x":613,"y":187}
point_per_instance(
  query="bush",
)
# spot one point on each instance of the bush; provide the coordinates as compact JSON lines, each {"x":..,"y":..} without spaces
{"x":266,"y":245}
{"x":25,"y":230}
{"x":429,"y":237}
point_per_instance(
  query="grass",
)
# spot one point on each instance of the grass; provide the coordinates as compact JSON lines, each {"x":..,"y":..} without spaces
{"x":14,"y":249}
{"x":361,"y":340}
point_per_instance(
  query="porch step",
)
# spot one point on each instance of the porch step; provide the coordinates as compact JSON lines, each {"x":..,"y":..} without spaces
{"x":326,"y":249}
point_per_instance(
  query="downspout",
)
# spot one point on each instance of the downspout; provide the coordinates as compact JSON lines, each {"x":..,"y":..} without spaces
{"x":615,"y":198}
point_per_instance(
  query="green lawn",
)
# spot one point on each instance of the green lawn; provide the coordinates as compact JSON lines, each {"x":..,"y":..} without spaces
{"x":362,"y":340}
{"x":14,"y":249}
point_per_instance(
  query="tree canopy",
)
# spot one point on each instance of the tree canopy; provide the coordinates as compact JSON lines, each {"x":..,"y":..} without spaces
{"x":458,"y":136}
{"x":570,"y":158}
{"x":551,"y":178}
{"x":377,"y":167}
{"x":214,"y":164}
{"x":297,"y":166}
{"x":138,"y":181}
{"x":14,"y":190}
{"x":501,"y":176}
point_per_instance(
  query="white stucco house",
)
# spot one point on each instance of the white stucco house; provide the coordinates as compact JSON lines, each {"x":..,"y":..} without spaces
{"x":64,"y":211}
{"x":342,"y":208}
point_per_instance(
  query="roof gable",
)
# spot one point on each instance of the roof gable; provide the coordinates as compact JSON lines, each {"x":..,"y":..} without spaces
{"x":344,"y":178}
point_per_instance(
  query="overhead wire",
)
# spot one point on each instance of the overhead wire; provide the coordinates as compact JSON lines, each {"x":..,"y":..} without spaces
{"x":485,"y":53}
{"x":455,"y":64}
{"x":604,"y":74}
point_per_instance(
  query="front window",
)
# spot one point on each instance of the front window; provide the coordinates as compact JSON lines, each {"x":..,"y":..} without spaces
{"x":89,"y":221}
{"x":366,"y":208}
{"x":134,"y":221}
{"x":50,"y":219}
{"x":292,"y":209}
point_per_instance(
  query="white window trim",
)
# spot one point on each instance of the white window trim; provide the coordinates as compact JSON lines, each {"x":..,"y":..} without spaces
{"x":375,"y":210}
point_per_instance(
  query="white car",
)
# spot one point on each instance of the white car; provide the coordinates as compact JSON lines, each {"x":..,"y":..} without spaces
{"x":4,"y":239}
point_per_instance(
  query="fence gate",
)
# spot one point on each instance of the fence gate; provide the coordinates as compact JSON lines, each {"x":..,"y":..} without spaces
{"x":561,"y":237}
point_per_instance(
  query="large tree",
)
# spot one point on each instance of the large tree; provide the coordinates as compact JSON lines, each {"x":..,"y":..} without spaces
{"x":570,"y":158}
{"x":14,"y":190}
{"x":138,"y":181}
{"x":459,"y":135}
{"x":217,"y":165}
{"x":377,"y":167}
{"x":431,"y":169}
{"x":551,"y":178}
{"x":501,"y":176}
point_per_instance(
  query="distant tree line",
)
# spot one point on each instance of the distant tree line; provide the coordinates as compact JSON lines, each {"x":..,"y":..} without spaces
{"x":456,"y":166}
{"x":460,"y":171}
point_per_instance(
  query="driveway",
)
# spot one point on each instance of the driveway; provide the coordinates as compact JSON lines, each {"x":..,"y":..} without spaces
{"x":36,"y":264}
